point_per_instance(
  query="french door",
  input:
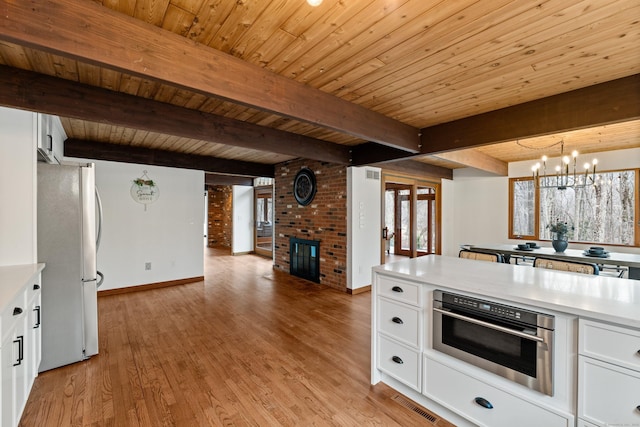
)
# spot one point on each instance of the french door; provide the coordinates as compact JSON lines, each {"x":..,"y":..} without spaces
{"x":263,"y":221}
{"x":411,"y":218}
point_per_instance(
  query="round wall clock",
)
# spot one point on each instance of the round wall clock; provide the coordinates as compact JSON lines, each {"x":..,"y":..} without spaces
{"x":304,"y":186}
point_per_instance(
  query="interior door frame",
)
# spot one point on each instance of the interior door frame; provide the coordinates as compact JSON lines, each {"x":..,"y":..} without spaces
{"x":261,"y":192}
{"x":415,"y":183}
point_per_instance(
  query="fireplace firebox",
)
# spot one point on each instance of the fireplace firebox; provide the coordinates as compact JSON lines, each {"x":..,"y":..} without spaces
{"x":304,"y":260}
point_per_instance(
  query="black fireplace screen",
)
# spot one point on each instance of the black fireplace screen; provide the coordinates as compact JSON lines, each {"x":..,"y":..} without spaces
{"x":304,"y":258}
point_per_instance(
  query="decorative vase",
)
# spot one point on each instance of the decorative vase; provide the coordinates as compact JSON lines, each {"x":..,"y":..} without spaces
{"x":560,"y":243}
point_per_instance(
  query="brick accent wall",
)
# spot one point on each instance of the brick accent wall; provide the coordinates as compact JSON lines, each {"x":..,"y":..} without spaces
{"x":219,"y":216}
{"x":325,"y":219}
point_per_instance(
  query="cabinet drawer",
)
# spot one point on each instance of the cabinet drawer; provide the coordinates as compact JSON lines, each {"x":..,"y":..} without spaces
{"x":459,"y":392}
{"x":613,"y":344}
{"x":400,"y":321}
{"x":608,"y":394}
{"x":33,"y":288}
{"x":399,"y":361}
{"x":583,"y":423}
{"x":7,"y":318}
{"x":399,"y":290}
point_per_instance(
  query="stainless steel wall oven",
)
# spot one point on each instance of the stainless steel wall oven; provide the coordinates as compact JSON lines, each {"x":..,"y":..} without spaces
{"x":509,"y":341}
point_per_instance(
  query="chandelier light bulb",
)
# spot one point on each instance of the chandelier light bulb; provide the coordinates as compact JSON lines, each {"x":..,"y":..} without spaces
{"x":558,"y":168}
{"x":587,"y":165}
{"x":565,"y":160}
{"x":544,"y":158}
{"x":314,"y":3}
{"x":594,"y":162}
{"x":574,"y":154}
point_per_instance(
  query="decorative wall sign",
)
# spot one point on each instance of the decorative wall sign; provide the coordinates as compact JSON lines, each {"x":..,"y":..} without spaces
{"x":304,"y":186}
{"x":144,"y":190}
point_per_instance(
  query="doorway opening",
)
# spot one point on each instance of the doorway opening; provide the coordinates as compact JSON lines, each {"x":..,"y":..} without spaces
{"x":411,"y":218}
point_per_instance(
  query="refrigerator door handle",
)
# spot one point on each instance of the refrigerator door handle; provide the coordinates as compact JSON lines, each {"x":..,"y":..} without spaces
{"x":99,"y":219}
{"x":101,"y":276}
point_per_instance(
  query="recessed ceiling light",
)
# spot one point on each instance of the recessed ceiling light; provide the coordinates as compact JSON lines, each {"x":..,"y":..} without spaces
{"x":314,"y":2}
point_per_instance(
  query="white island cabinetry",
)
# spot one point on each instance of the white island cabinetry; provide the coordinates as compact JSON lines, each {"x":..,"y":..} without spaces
{"x":609,"y":373}
{"x":20,"y":344}
{"x":596,"y":362}
{"x":399,"y":325}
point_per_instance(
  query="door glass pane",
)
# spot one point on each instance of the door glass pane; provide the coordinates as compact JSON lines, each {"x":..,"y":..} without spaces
{"x":264,"y":223}
{"x":425,"y":233}
{"x":405,"y":219}
{"x":389,"y":219}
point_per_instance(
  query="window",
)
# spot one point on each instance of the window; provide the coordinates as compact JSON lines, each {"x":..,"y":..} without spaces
{"x":603,"y":213}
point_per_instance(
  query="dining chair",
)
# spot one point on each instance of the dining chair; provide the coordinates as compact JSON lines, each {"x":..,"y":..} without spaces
{"x":481,"y":256}
{"x":612,"y":270}
{"x":571,"y":266}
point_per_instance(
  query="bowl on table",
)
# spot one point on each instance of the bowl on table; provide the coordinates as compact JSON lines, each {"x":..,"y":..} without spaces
{"x":533,"y":245}
{"x":523,"y":246}
{"x":596,"y":250}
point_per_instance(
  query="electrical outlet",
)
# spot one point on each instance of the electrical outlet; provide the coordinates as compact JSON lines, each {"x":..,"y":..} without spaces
{"x":147,"y":266}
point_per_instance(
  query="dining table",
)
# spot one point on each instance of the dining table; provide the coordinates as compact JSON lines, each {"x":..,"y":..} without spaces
{"x":629,"y":260}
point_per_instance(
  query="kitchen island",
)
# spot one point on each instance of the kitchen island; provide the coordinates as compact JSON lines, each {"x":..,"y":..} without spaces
{"x":20,"y":329}
{"x":595,"y":365}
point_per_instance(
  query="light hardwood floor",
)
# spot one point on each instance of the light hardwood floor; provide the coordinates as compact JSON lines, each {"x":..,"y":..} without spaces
{"x":249,"y":346}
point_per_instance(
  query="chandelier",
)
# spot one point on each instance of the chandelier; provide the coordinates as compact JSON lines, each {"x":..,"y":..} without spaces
{"x":563,"y":178}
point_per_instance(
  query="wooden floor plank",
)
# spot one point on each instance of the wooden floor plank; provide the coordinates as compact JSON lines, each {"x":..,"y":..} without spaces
{"x":248,"y":346}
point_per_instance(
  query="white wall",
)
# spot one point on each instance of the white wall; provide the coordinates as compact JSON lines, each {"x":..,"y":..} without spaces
{"x":364,"y":228}
{"x":480,"y":205}
{"x":242,"y":232}
{"x":168,"y":234}
{"x":18,"y":183}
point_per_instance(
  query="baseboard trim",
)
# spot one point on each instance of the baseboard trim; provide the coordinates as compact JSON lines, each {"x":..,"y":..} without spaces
{"x":359,"y":290}
{"x":157,"y":285}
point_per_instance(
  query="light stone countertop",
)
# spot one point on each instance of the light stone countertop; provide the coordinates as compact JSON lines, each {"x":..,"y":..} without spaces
{"x":13,"y":278}
{"x":589,"y":296}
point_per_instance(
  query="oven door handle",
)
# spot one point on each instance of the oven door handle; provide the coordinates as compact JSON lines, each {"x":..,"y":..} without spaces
{"x":489,"y":325}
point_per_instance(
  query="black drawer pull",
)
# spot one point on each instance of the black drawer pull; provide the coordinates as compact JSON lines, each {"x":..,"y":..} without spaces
{"x":37,"y":310}
{"x":483,"y":402}
{"x":397,"y":320}
{"x":16,"y":311}
{"x":20,"y":342}
{"x":397,"y":289}
{"x":36,"y":287}
{"x":397,"y":360}
{"x":638,"y":407}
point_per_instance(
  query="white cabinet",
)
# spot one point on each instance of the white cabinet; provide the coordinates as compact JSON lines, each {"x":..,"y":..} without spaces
{"x":482,"y":402}
{"x":608,"y":374}
{"x":50,"y":136}
{"x":399,"y":326}
{"x":20,"y":344}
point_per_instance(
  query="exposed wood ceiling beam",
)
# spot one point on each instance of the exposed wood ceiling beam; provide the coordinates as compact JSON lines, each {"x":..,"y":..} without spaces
{"x":146,"y":156}
{"x":38,"y":92}
{"x":414,"y":167}
{"x":371,"y":152}
{"x":476,"y":159}
{"x":610,"y":102}
{"x":89,"y":32}
{"x":216,"y":179}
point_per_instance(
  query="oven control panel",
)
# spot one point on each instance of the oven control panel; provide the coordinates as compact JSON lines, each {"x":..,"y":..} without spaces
{"x":501,"y":310}
{"x":483,"y":307}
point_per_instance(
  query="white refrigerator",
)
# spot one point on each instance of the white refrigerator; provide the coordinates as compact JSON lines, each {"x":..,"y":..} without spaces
{"x":68,"y":235}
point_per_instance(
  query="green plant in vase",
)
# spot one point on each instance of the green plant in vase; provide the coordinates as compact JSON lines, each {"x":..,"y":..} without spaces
{"x":560,"y":231}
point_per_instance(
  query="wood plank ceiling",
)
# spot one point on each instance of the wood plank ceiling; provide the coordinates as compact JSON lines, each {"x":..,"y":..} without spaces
{"x":272,"y":80}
